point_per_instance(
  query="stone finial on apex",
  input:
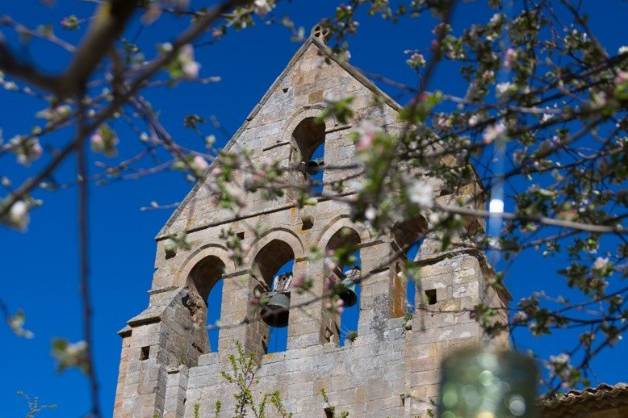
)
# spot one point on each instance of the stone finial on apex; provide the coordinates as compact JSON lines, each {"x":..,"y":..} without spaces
{"x":320,"y":32}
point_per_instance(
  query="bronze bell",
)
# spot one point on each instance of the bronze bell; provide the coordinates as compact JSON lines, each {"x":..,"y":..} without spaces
{"x":346,"y":292}
{"x":346,"y":288}
{"x":275,"y":308}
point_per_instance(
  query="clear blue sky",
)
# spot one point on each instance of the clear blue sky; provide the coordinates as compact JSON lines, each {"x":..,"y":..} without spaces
{"x":38,"y":269}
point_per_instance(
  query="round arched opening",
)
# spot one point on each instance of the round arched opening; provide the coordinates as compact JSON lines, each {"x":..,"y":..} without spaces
{"x":205,"y":301}
{"x":309,"y":141}
{"x":342,"y":275}
{"x":408,"y":239}
{"x":273,"y":269}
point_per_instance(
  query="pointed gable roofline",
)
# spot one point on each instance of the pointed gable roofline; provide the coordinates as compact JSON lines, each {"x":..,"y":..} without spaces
{"x":325,"y":50}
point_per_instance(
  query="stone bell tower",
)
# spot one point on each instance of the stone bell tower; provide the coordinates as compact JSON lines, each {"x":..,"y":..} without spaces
{"x":167,"y":367}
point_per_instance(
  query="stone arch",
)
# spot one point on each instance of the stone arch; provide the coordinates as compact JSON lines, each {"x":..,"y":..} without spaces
{"x":406,"y":232}
{"x":199,"y":254}
{"x":280,"y":234}
{"x":403,"y":288}
{"x":336,"y":224}
{"x":204,"y":275}
{"x":342,"y":233}
{"x":269,"y":258}
{"x":307,"y":136}
{"x":313,"y":111}
{"x":199,"y":274}
{"x":270,"y":284}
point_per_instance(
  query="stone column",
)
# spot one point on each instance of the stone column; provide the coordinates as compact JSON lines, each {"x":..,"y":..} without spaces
{"x":375,"y":300}
{"x":236,"y":294}
{"x":304,"y":328}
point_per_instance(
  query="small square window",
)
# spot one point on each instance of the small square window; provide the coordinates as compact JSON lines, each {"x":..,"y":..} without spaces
{"x":308,"y":222}
{"x":430,"y":296}
{"x":145,"y":353}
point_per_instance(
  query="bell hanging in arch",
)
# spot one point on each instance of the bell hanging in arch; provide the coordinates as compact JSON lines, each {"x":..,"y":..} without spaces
{"x":275,"y":308}
{"x":346,"y":288}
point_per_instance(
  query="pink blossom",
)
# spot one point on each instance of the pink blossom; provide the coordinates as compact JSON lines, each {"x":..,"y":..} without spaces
{"x":191,"y":69}
{"x":509,"y":58}
{"x":189,"y":66}
{"x":298,"y":281}
{"x":97,"y":141}
{"x":493,"y":132}
{"x":340,"y":305}
{"x":367,"y":132}
{"x":199,"y":163}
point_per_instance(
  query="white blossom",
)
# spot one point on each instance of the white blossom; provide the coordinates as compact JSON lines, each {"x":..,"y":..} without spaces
{"x":443,"y":122}
{"x":520,"y":317}
{"x":262,"y":7}
{"x":474,"y":119}
{"x":496,"y":19}
{"x":599,"y":99}
{"x":54,"y":114}
{"x":76,"y":348}
{"x":421,"y":193}
{"x":18,"y":215}
{"x":104,"y":140}
{"x":27,"y":150}
{"x":416,"y":60}
{"x":503,"y":88}
{"x":10,"y":86}
{"x":189,"y":66}
{"x":16,"y":323}
{"x":436,"y":218}
{"x":560,"y":366}
{"x":601,"y":263}
{"x":496,"y":206}
{"x":210,"y":140}
{"x":370,"y":213}
{"x":191,"y":69}
{"x":622,"y":49}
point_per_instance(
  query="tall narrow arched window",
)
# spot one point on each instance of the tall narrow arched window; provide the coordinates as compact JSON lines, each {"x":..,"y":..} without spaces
{"x":273,"y":269}
{"x":408,"y":237}
{"x":308,"y":154}
{"x":278,"y":335}
{"x":204,"y":302}
{"x":411,"y":255}
{"x":343,"y":275}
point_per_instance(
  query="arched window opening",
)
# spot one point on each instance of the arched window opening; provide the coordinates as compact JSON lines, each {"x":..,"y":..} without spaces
{"x":407,"y":240}
{"x":278,"y":336}
{"x":204,"y":302}
{"x":273,"y":270}
{"x":350,"y":315}
{"x":214,"y":304}
{"x":411,"y":255}
{"x":309,"y":140}
{"x":342,"y":274}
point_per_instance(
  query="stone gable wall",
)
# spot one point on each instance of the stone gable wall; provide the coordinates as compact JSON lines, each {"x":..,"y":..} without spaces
{"x":391,"y":369}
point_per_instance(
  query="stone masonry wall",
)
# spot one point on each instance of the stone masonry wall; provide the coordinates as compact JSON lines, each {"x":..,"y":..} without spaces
{"x":391,"y":369}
